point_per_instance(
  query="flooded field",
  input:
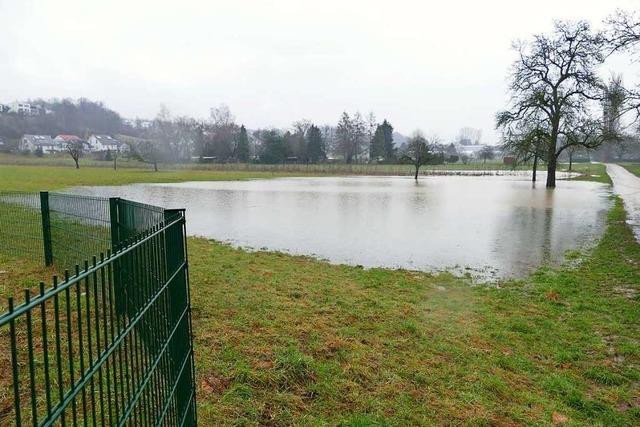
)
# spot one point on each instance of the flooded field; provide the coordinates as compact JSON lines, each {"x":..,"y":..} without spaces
{"x":488,"y":226}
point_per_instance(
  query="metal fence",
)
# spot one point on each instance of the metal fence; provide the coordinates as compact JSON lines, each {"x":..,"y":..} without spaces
{"x":63,"y":229}
{"x":21,"y":225}
{"x":110,"y":342}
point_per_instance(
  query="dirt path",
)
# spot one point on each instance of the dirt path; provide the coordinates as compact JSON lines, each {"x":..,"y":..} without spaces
{"x":627,"y":186}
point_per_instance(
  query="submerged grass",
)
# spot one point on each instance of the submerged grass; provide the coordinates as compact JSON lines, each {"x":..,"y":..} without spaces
{"x":283,"y":340}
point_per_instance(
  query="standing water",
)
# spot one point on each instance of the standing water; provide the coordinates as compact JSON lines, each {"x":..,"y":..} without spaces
{"x":488,"y":226}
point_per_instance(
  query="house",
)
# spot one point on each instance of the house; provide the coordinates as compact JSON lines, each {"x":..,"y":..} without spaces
{"x":66,"y":139}
{"x":139,"y":123}
{"x":99,"y":143}
{"x":469,"y":150}
{"x":26,"y":109}
{"x":31,"y":143}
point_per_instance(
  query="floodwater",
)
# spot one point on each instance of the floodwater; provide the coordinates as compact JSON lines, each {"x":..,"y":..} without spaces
{"x":487,"y":226}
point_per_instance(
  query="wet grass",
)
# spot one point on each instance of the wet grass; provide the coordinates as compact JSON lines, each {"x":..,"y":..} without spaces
{"x":596,"y":172}
{"x":634,"y":168}
{"x":46,"y":177}
{"x":283,"y":340}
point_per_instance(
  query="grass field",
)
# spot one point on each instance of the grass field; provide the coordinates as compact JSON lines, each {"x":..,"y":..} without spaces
{"x":52,"y":173}
{"x":634,"y":168}
{"x":63,"y":160}
{"x":283,"y":340}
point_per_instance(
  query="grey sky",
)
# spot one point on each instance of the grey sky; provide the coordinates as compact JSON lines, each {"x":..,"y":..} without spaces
{"x":437,"y":66}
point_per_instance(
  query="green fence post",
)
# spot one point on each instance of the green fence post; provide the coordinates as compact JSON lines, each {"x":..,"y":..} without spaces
{"x":46,"y":228}
{"x":182,"y":344}
{"x":113,"y":214}
{"x":114,"y":218}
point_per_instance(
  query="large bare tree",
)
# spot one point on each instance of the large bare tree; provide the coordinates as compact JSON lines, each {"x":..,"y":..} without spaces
{"x":554,"y":81}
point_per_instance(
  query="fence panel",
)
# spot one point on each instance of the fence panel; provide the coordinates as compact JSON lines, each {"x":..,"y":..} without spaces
{"x":73,"y":358}
{"x":21,"y":225}
{"x":80,"y":228}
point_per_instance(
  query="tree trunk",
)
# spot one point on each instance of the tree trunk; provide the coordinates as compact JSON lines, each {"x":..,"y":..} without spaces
{"x":155,"y":166}
{"x":570,"y":160}
{"x":535,"y":167}
{"x":77,"y":163}
{"x":115,"y":163}
{"x":416,"y":175}
{"x":552,"y":157}
{"x":551,"y":170}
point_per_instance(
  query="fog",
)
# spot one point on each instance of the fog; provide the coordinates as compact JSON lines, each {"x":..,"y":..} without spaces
{"x":421,"y":65}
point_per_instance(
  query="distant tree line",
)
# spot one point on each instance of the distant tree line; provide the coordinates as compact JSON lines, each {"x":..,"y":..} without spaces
{"x":221,"y":139}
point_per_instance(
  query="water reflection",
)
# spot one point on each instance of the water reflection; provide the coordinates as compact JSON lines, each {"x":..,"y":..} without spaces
{"x":494,"y":225}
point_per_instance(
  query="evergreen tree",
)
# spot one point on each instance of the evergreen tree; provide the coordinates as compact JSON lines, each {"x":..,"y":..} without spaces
{"x":382,"y":143}
{"x":242,"y":145}
{"x":376,"y":150}
{"x":389,"y":146}
{"x":315,"y":145}
{"x":274,"y":147}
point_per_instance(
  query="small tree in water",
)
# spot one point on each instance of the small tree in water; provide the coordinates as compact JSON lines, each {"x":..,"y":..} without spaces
{"x":418,"y":151}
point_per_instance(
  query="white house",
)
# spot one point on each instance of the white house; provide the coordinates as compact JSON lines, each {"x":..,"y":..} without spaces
{"x":25,"y":109}
{"x":104,"y":143}
{"x":469,"y":150}
{"x":33,"y":142}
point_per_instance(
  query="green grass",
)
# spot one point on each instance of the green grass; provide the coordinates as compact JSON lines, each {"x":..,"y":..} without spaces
{"x":299,"y":341}
{"x":283,"y":340}
{"x":589,"y":172}
{"x":634,"y":168}
{"x":44,"y":176}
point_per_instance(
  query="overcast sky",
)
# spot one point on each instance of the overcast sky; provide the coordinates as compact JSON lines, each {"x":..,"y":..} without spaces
{"x":437,"y":66}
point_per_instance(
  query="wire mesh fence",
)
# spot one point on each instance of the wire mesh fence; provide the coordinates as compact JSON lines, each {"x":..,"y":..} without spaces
{"x":21,"y":225}
{"x":79,"y":228}
{"x":63,"y":229}
{"x":73,"y":357}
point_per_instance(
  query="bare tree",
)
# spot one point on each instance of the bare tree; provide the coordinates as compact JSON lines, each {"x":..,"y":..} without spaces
{"x":623,"y":30}
{"x":419,"y":151}
{"x":526,"y":143}
{"x":221,"y":135}
{"x":344,"y":137}
{"x":359,"y":135}
{"x":76,"y":148}
{"x":623,"y":35}
{"x":554,"y":81}
{"x":221,"y":116}
{"x":487,"y":153}
{"x":150,"y":152}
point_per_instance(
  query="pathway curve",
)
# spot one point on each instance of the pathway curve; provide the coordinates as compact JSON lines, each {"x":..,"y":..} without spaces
{"x":627,"y":186}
